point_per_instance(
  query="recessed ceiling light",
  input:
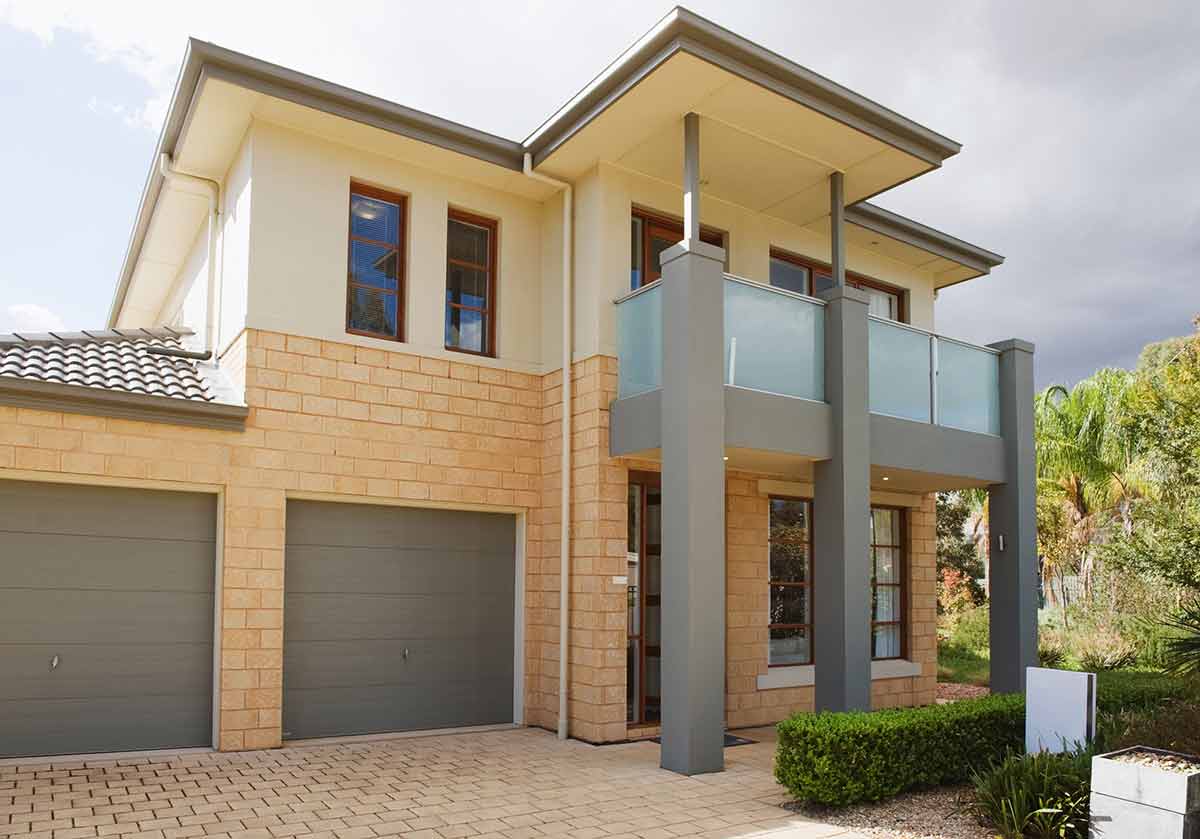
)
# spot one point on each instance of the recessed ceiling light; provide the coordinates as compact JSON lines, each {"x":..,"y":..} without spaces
{"x":886,"y":478}
{"x":874,"y":241}
{"x":726,"y":457}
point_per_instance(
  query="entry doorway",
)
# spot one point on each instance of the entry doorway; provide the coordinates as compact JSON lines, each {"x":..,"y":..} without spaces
{"x":643,"y":669}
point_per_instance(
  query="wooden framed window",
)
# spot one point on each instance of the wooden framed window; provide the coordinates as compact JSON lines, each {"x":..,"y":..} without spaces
{"x":375,"y":275}
{"x":887,"y":583}
{"x":806,"y":276}
{"x":790,"y":622}
{"x":650,"y":235}
{"x":471,"y":283}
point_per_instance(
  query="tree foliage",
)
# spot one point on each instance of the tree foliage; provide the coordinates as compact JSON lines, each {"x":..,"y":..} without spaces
{"x":959,"y":564}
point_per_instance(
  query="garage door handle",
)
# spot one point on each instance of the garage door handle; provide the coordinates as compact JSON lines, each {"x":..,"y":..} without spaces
{"x":54,"y":663}
{"x":406,"y":653}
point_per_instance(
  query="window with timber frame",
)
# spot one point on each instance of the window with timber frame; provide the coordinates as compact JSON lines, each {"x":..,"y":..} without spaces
{"x":375,"y":274}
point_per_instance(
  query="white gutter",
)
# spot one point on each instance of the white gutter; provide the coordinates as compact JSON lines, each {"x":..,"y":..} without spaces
{"x":167,"y":168}
{"x":564,"y":540}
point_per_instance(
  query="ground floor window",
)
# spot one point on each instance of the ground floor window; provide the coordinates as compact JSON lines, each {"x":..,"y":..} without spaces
{"x":887,"y":586}
{"x":791,"y":566}
{"x":791,"y":559}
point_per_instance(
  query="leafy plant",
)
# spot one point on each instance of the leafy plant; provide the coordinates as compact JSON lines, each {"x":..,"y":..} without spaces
{"x":1051,"y":653}
{"x":843,"y":758}
{"x":1182,"y":653}
{"x":1036,"y":795}
{"x":970,"y":630}
{"x":1103,"y":648}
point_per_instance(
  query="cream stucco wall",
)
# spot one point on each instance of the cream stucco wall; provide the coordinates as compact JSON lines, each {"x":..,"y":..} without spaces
{"x":298,"y":246}
{"x":605,"y":198}
{"x":283,"y":258}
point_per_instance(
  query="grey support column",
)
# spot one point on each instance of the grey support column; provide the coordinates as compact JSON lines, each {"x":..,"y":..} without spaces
{"x":693,"y":509}
{"x":837,"y":227}
{"x":1012,"y":511}
{"x":841,"y":504}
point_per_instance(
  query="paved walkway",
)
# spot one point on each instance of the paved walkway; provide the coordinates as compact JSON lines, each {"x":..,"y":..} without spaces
{"x":512,"y":784}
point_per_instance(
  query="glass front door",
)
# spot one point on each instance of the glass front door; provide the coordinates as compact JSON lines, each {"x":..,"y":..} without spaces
{"x":643,"y":669}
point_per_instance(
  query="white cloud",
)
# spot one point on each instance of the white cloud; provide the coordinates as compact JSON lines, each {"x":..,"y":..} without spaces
{"x":30,"y":317}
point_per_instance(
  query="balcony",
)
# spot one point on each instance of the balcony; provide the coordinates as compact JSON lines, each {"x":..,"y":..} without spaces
{"x":775,"y":343}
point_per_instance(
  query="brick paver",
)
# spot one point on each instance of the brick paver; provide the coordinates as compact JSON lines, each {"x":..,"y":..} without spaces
{"x":511,"y":784}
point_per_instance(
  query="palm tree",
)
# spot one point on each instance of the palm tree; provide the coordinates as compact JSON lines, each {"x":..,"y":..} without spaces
{"x":1089,"y":461}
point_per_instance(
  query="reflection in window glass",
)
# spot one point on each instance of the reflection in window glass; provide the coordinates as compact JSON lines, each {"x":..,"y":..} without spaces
{"x":375,"y":273}
{"x":470,"y":280}
{"x":790,"y":550}
{"x":788,"y":275}
{"x":887,"y":587}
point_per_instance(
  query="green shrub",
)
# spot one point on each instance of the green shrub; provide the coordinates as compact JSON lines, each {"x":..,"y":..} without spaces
{"x":844,"y":758}
{"x":1038,"y":795}
{"x":1174,"y":726}
{"x":1126,"y":690}
{"x":969,"y":629}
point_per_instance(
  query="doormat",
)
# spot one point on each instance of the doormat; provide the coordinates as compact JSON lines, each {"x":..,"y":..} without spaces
{"x":731,"y":740}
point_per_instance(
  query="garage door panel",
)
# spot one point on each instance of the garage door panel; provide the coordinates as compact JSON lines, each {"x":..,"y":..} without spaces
{"x":394,"y":570}
{"x":364,"y":583}
{"x":362,"y":525}
{"x":80,"y":561}
{"x":104,"y":617}
{"x":41,"y":727}
{"x":328,"y":664}
{"x":106,"y":671}
{"x":119,"y":585}
{"x":332,"y":617}
{"x":330,"y":712}
{"x":105,"y":511}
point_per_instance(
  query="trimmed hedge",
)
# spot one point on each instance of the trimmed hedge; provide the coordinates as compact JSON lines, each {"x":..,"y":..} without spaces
{"x":843,"y":758}
{"x":1135,"y":690}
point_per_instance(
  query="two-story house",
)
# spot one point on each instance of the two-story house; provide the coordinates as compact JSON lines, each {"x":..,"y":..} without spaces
{"x":323,"y":473}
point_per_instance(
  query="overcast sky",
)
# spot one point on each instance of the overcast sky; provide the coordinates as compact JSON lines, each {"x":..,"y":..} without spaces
{"x":1080,"y":123}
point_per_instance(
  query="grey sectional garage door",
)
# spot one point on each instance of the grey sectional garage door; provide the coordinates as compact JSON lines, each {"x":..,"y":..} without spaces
{"x":396,"y":619}
{"x":106,"y":619}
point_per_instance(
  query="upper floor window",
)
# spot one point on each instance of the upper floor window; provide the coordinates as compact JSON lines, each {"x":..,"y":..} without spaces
{"x":375,"y":278}
{"x":470,"y":283}
{"x":805,"y":276}
{"x":650,"y":235}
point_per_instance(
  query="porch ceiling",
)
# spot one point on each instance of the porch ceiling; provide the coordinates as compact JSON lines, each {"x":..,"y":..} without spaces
{"x":759,"y":149}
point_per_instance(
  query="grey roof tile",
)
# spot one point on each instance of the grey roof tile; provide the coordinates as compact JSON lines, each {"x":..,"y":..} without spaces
{"x":108,"y":359}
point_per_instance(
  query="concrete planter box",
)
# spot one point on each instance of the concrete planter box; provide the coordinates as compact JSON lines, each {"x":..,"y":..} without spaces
{"x":1137,"y":800}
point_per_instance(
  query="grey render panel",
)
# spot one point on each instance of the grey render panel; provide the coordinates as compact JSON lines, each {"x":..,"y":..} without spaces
{"x":755,"y":419}
{"x":365,"y":583}
{"x":635,"y":424}
{"x":921,"y":447}
{"x":118,"y":584}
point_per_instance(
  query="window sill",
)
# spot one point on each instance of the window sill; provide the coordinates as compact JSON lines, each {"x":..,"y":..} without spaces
{"x":804,"y":675}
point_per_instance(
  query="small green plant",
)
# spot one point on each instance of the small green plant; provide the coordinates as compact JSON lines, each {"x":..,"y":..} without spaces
{"x":1103,"y":648}
{"x":1051,"y":653}
{"x":1036,"y":796}
{"x":843,"y":758}
{"x":1182,"y":649}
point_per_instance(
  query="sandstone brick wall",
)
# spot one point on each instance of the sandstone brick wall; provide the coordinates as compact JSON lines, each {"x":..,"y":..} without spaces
{"x":329,"y":419}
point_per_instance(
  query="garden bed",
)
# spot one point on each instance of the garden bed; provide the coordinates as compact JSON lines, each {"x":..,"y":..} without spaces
{"x":937,"y":813}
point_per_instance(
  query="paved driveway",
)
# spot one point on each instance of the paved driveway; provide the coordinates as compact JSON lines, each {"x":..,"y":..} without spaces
{"x":514,"y":783}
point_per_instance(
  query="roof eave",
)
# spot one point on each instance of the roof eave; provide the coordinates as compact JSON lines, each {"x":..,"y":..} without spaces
{"x":903,"y":229}
{"x":684,"y":31}
{"x":203,"y":60}
{"x":82,"y":399}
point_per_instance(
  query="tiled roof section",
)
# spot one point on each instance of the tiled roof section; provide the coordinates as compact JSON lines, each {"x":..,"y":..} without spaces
{"x":108,"y":359}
